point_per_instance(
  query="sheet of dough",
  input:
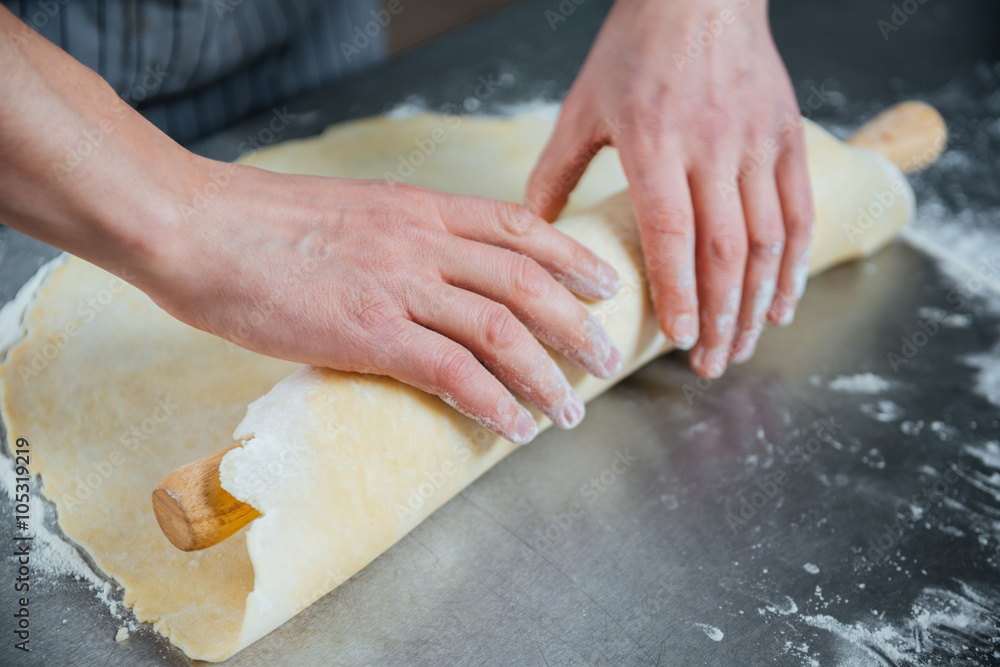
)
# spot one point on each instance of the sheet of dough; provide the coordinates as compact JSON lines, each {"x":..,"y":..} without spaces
{"x":112,"y":394}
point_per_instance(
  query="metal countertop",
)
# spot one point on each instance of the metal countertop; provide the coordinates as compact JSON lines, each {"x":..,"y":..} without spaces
{"x":763,"y":518}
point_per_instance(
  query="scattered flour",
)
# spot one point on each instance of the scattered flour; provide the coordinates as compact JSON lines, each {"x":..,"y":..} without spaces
{"x":883,"y":411}
{"x":413,"y":106}
{"x":51,"y":555}
{"x":988,"y":483}
{"x":416,"y":105}
{"x":940,"y":623}
{"x":802,"y":652}
{"x":944,"y":318}
{"x":989,"y":453}
{"x":988,"y":382}
{"x":965,"y":244}
{"x":943,"y":431}
{"x":712,"y":632}
{"x":810,"y":568}
{"x":862,"y":383}
{"x":786,"y":607}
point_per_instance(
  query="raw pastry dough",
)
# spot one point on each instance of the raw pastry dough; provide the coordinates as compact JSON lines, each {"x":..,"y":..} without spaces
{"x":112,"y":393}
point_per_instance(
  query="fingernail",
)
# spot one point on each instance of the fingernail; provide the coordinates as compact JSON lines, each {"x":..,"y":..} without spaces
{"x":572,"y":411}
{"x":711,"y":363}
{"x":697,"y":357}
{"x":745,"y":346}
{"x":764,"y":297}
{"x":525,"y":429}
{"x":608,"y":281}
{"x":685,"y":332}
{"x":800,"y":276}
{"x":613,"y":365}
{"x":725,"y":320}
{"x":715,"y":363}
{"x":787,"y":316}
{"x":783,"y":311}
{"x":605,"y":354}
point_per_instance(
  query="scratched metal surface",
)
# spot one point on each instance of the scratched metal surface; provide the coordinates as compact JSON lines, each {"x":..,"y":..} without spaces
{"x":623,"y":542}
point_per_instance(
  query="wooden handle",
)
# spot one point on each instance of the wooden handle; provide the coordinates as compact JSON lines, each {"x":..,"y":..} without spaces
{"x":193,"y":509}
{"x":911,"y":134}
{"x":195,"y":512}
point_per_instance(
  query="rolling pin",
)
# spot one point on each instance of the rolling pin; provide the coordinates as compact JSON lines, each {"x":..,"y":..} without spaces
{"x":195,"y":512}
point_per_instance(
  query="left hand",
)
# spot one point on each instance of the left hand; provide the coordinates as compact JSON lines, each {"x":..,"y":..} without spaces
{"x":697,"y":100}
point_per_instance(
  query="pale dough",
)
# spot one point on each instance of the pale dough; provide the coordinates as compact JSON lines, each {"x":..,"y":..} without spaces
{"x":113,"y":393}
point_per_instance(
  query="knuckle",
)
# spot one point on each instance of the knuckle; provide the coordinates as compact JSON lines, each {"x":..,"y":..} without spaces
{"x":394,"y":222}
{"x":513,"y":220}
{"x":766,"y":245}
{"x":384,"y":213}
{"x":726,"y":248}
{"x":412,"y":232}
{"x":661,"y":242}
{"x":647,"y":108}
{"x":651,"y":125}
{"x":528,"y":278}
{"x":372,"y":310}
{"x":500,"y":328}
{"x":794,"y":140}
{"x":715,"y":135}
{"x":579,"y":256}
{"x":453,"y":368}
{"x":798,"y":224}
{"x":668,"y":235}
{"x":753,"y":136}
{"x":648,"y":97}
{"x":674,"y":295}
{"x":715,"y":147}
{"x":665,"y":221}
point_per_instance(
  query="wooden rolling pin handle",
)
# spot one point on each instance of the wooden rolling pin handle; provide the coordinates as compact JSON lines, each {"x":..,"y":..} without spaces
{"x":911,"y":134}
{"x":195,"y":512}
{"x":192,"y":508}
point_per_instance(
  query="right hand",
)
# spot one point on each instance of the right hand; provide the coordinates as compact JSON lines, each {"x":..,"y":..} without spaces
{"x":715,"y":157}
{"x":442,"y":292}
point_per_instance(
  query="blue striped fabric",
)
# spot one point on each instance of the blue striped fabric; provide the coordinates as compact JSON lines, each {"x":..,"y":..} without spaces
{"x":193,"y":67}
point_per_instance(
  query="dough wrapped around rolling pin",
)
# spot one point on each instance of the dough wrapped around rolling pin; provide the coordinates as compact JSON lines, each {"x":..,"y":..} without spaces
{"x":113,"y":393}
{"x":343,"y":465}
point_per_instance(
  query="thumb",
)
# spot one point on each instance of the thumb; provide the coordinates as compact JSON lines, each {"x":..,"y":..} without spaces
{"x":560,"y":168}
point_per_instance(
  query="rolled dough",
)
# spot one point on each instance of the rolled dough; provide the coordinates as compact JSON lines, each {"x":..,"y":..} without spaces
{"x":113,"y":393}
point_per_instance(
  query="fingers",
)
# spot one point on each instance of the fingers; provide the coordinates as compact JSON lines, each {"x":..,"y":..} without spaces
{"x":560,"y":167}
{"x":796,"y":206}
{"x":721,"y":250}
{"x":662,"y":200}
{"x":547,"y":309}
{"x":492,"y":333}
{"x":766,"y":240}
{"x":438,"y":365}
{"x":515,"y":228}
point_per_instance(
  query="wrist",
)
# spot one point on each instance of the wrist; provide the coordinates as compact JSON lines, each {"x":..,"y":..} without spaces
{"x":79,"y":168}
{"x":162,"y":231}
{"x":687,"y":16}
{"x":144,"y":226}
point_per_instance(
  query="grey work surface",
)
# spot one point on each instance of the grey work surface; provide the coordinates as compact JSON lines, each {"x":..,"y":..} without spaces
{"x":653,"y":569}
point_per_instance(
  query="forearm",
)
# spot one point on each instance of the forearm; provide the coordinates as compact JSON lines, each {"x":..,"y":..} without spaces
{"x":79,"y":168}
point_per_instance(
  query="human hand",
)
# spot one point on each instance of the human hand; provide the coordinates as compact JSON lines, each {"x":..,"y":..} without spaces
{"x":438,"y":291}
{"x":697,"y":100}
